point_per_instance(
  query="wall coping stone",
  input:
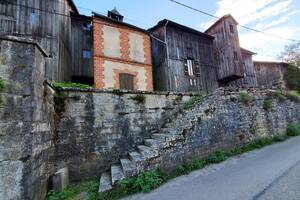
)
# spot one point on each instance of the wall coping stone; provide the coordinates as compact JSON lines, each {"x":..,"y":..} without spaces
{"x":25,"y":41}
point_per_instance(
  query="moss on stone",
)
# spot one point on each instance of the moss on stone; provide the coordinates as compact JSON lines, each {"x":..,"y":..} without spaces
{"x":245,"y":98}
{"x":139,"y":98}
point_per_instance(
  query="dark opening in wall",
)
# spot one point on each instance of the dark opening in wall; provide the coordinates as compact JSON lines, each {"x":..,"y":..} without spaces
{"x":83,"y":80}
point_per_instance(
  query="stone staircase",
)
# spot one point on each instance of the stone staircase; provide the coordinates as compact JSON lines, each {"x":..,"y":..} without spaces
{"x":146,"y":156}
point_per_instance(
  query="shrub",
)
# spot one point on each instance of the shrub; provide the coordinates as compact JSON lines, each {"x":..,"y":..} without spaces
{"x":292,"y":78}
{"x":279,"y":95}
{"x":293,"y":130}
{"x":268,"y":104}
{"x":139,"y":98}
{"x":60,"y":85}
{"x":2,"y":85}
{"x":293,"y":96}
{"x":245,"y":98}
{"x":178,"y":98}
{"x":192,"y":102}
{"x":69,"y":193}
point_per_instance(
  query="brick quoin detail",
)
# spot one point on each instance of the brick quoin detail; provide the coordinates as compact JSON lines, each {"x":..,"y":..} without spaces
{"x":100,"y":58}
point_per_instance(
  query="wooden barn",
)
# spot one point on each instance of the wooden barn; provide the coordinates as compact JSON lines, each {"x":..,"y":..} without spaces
{"x":270,"y":74}
{"x":82,"y":49}
{"x":227,"y":51}
{"x":49,"y":23}
{"x":183,"y":58}
{"x":249,"y":79}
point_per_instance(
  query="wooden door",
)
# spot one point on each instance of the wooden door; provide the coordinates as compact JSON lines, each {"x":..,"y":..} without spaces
{"x":126,"y":81}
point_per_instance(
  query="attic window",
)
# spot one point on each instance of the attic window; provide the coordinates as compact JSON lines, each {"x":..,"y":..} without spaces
{"x":231,"y":28}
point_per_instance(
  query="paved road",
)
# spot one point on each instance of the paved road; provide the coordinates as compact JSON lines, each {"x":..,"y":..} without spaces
{"x":272,"y":173}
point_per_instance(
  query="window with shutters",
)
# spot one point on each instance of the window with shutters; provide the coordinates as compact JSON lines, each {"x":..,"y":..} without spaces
{"x":126,"y":81}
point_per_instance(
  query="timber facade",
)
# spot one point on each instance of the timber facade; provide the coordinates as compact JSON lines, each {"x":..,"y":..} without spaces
{"x":107,"y":52}
{"x":47,"y":22}
{"x":183,"y":58}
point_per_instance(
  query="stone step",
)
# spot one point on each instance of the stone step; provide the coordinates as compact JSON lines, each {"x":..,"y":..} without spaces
{"x":165,"y":137}
{"x":116,"y":173}
{"x":129,"y":168}
{"x":138,"y":159}
{"x":105,"y":182}
{"x":147,"y":152}
{"x":156,"y":144}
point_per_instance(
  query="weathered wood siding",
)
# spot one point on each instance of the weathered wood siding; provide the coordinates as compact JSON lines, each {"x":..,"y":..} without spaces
{"x":46,"y":21}
{"x":169,"y":61}
{"x":81,"y":40}
{"x":226,"y":44}
{"x":270,"y":74}
{"x":249,"y":79}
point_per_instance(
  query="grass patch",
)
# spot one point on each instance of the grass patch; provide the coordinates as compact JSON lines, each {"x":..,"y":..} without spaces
{"x":245,"y":98}
{"x":192,"y":102}
{"x":147,"y":181}
{"x":293,"y":130}
{"x":69,"y":193}
{"x":139,"y":98}
{"x":268,"y":104}
{"x":60,"y":85}
{"x":292,"y":78}
{"x":293,"y":95}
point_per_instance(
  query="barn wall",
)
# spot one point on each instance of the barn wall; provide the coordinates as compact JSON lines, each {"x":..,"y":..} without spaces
{"x":82,"y":68}
{"x":269,"y":74}
{"x":36,"y":19}
{"x":226,"y":43}
{"x":249,"y":79}
{"x":169,"y":64}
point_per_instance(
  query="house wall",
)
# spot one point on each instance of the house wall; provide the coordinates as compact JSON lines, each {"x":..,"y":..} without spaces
{"x":270,"y":74}
{"x":170,"y":68}
{"x":225,"y":44}
{"x":120,"y":49}
{"x":36,"y":20}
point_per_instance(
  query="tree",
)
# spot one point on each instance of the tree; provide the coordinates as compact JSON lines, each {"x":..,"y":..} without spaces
{"x":291,"y":55}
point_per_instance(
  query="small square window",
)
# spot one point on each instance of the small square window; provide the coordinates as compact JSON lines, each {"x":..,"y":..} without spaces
{"x":87,"y":26}
{"x":86,"y":54}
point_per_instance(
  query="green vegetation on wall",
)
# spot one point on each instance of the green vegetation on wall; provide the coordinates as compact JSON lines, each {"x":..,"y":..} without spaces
{"x":60,"y":85}
{"x":147,"y":181}
{"x":268,"y":104}
{"x":192,"y":102}
{"x":139,"y":98}
{"x":293,"y":96}
{"x":245,"y":98}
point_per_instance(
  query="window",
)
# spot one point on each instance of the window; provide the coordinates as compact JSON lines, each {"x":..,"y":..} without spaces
{"x":190,"y":66}
{"x":86,"y":54}
{"x":235,"y":55}
{"x":231,"y":28}
{"x":86,"y":26}
{"x":33,"y":19}
{"x":126,"y":81}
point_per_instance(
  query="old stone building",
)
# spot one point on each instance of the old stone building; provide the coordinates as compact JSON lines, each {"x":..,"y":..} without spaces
{"x":122,"y":54}
{"x":270,"y":74}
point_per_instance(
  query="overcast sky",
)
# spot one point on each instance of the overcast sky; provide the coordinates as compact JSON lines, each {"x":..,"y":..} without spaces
{"x":278,"y":17}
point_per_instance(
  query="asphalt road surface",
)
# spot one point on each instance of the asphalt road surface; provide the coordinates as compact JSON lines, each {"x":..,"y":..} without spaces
{"x":272,"y":173}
